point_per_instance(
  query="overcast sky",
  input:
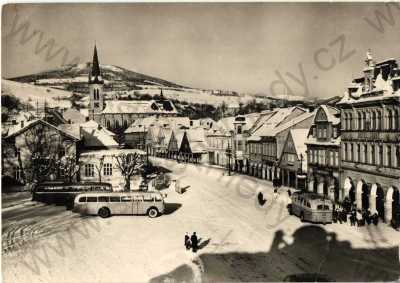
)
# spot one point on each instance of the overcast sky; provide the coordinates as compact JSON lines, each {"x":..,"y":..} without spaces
{"x":218,"y":46}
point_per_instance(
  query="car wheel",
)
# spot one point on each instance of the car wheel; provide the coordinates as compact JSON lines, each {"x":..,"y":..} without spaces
{"x":302,"y":217}
{"x":152,"y":212}
{"x":104,"y":212}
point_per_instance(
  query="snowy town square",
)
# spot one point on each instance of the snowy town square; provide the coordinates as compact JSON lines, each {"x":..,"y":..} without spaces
{"x":200,"y":142}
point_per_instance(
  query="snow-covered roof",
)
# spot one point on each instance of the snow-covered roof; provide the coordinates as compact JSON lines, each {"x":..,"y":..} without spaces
{"x":139,"y":106}
{"x":331,"y":114}
{"x":31,"y":123}
{"x":73,"y":115}
{"x":299,"y":137}
{"x":273,"y":125}
{"x":110,"y":152}
{"x":95,"y":137}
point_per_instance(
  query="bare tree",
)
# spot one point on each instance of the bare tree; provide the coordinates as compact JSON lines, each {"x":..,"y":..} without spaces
{"x":41,"y":149}
{"x":129,"y":165}
{"x":99,"y":167}
{"x":68,"y":164}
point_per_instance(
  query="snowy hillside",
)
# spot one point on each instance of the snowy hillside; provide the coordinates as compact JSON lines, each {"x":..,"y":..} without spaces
{"x":123,"y":83}
{"x":33,"y":94}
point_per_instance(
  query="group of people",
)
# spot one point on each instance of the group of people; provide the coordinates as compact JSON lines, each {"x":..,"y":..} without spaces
{"x":357,"y":217}
{"x":191,"y":242}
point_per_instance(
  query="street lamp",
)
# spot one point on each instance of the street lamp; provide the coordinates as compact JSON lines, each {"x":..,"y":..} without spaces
{"x":229,"y":154}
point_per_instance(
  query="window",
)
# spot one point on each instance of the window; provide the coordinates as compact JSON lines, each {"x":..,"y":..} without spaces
{"x":290,"y":158}
{"x":345,"y":157}
{"x":389,"y":120}
{"x":125,"y":124}
{"x":324,"y":133}
{"x":358,"y":153}
{"x":115,"y":199}
{"x":373,"y":120}
{"x":108,"y":124}
{"x":365,"y":153}
{"x":336,"y":158}
{"x":107,"y":169}
{"x":89,"y":170}
{"x":380,"y":148}
{"x":335,"y":132}
{"x":126,"y":198}
{"x":239,"y":129}
{"x":350,"y":118}
{"x":398,"y":156}
{"x":396,"y":122}
{"x":351,"y":152}
{"x":91,"y":199}
{"x":104,"y":199}
{"x":372,"y":154}
{"x":378,"y":120}
{"x":82,"y":199}
{"x":117,"y":124}
{"x":364,"y":121}
{"x":389,"y":155}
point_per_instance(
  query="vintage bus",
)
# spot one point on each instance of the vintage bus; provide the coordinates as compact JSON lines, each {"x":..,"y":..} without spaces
{"x":64,"y":193}
{"x":311,"y":207}
{"x":120,"y":203}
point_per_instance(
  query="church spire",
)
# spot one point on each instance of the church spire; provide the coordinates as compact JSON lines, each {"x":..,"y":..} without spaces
{"x":95,"y":74}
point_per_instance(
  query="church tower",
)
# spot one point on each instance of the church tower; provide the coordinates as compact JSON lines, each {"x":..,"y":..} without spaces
{"x":96,"y":83}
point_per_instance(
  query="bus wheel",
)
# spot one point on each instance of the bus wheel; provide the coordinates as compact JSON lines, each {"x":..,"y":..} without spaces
{"x":104,"y":212}
{"x":152,"y":212}
{"x":302,"y":217}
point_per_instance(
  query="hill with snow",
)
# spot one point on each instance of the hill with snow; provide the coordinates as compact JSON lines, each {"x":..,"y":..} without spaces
{"x":125,"y":84}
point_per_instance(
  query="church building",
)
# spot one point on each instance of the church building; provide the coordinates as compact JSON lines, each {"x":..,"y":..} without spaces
{"x":118,"y":115}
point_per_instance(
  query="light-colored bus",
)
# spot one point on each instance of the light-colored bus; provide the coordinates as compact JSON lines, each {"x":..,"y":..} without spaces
{"x":120,"y":203}
{"x":311,"y":207}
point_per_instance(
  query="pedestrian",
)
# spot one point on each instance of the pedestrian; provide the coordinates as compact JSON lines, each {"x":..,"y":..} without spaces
{"x":375,"y":218}
{"x":353,"y":218}
{"x":289,"y":192}
{"x":195,"y":242}
{"x":261,"y":199}
{"x":187,"y":241}
{"x":275,"y":193}
{"x":335,"y":215}
{"x":368,"y":216}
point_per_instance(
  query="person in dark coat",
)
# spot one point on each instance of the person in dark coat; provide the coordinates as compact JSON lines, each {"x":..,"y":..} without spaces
{"x":261,"y":199}
{"x":195,"y":242}
{"x":375,"y":218}
{"x":289,"y":192}
{"x":187,"y":241}
{"x":335,"y":215}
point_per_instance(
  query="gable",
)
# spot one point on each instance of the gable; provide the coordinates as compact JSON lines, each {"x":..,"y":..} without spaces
{"x":321,"y":115}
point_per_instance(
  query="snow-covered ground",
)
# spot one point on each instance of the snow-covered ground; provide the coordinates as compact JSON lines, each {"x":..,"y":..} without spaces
{"x":240,"y":240}
{"x":33,"y":94}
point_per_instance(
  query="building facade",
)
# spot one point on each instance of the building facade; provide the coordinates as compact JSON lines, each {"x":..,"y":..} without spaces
{"x":323,"y":151}
{"x":370,"y":139}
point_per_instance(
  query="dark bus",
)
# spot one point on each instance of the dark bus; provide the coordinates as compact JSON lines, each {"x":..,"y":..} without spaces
{"x":65,"y":193}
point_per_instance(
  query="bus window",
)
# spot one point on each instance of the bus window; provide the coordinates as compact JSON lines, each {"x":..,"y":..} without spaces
{"x":115,"y":199}
{"x":126,"y":198}
{"x":158,"y":198}
{"x":82,"y":199}
{"x":91,"y":199}
{"x":322,"y":207}
{"x":103,"y":199}
{"x":148,"y":197}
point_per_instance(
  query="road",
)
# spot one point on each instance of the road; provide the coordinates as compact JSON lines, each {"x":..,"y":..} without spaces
{"x":240,"y":240}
